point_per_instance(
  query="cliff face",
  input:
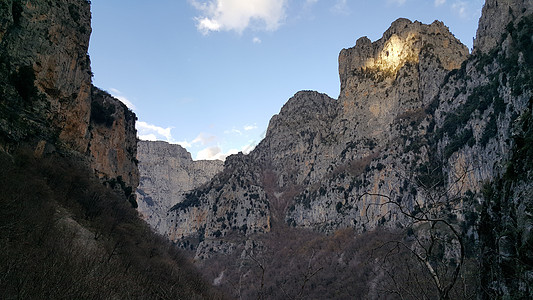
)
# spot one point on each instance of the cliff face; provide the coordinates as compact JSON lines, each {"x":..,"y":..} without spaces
{"x":46,"y":96}
{"x":167,"y":171}
{"x":495,"y":19}
{"x":46,"y":70}
{"x":113,"y":142}
{"x":320,"y":154}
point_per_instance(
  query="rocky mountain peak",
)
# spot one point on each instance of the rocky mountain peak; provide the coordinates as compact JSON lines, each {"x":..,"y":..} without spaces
{"x":494,"y":21}
{"x":402,"y":43}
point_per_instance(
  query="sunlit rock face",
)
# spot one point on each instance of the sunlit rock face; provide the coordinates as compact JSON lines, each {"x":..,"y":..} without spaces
{"x":48,"y":41}
{"x":113,"y":140}
{"x":402,"y":43}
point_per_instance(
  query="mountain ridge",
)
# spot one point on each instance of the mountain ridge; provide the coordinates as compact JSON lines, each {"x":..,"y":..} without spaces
{"x":421,"y":126}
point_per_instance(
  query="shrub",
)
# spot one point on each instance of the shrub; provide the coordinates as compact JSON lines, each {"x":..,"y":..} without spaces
{"x":101,"y":114}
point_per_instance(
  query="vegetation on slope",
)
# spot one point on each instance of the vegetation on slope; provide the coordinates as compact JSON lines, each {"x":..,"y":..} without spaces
{"x":63,"y":235}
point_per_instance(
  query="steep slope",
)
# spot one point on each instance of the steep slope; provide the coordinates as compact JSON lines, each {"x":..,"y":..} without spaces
{"x":167,"y":171}
{"x":421,"y":128}
{"x":66,"y":236}
{"x":319,"y":154}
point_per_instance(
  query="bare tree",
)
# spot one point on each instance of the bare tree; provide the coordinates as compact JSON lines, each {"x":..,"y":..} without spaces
{"x":434,"y":238}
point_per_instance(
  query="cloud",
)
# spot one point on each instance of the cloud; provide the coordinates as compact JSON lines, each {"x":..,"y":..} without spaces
{"x":148,"y":137}
{"x":117,"y":94}
{"x":460,"y":8}
{"x":256,"y":40}
{"x":215,"y":152}
{"x":439,"y":2}
{"x":237,"y":15}
{"x":233,"y":130}
{"x":204,"y":139}
{"x":249,"y":148}
{"x":250,"y":127}
{"x":340,"y":7}
{"x":152,"y":132}
{"x":184,"y":144}
{"x":212,"y":153}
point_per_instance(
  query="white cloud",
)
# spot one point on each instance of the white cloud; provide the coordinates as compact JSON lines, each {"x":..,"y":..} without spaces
{"x":152,"y":132}
{"x":250,"y":127}
{"x":117,"y":94}
{"x":184,"y":144}
{"x":237,"y":15}
{"x":204,"y":139}
{"x":212,"y":153}
{"x":248,"y":148}
{"x":439,"y":2}
{"x":460,"y":8}
{"x":256,"y":40}
{"x":233,"y":131}
{"x":215,"y":152}
{"x":340,"y":7}
{"x":148,"y":137}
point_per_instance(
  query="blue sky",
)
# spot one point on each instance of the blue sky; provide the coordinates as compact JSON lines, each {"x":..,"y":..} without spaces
{"x":209,"y":74}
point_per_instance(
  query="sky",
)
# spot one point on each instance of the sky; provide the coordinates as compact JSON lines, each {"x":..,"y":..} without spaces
{"x":209,"y":74}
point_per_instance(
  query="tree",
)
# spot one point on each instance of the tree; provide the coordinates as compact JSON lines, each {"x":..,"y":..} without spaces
{"x":432,"y":236}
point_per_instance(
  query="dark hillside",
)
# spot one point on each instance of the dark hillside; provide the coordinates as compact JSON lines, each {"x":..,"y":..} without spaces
{"x":66,"y":236}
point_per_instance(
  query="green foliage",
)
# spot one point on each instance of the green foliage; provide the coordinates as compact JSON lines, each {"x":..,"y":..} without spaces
{"x":490,"y":131}
{"x":518,"y":64}
{"x":458,"y":141}
{"x":17,"y":9}
{"x":102,"y":114}
{"x":522,"y":159}
{"x":74,"y":12}
{"x":338,"y":207}
{"x":192,"y":199}
{"x":430,"y":174}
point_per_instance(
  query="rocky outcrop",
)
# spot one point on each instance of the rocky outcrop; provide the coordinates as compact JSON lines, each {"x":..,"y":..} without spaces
{"x":47,"y":99}
{"x":495,"y":20}
{"x":113,"y":142}
{"x":46,"y":70}
{"x":167,"y":171}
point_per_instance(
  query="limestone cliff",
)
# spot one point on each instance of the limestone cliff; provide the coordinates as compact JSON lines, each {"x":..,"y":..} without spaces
{"x":113,"y":142}
{"x":320,"y":154}
{"x":47,"y":100}
{"x":167,"y":171}
{"x":419,"y":123}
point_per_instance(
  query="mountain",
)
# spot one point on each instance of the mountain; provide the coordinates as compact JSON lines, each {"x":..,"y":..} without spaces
{"x":425,"y":139}
{"x":167,"y":171}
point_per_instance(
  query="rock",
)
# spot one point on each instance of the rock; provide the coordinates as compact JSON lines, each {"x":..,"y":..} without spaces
{"x":47,"y":99}
{"x":417,"y":116}
{"x":496,"y":15}
{"x":167,"y":171}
